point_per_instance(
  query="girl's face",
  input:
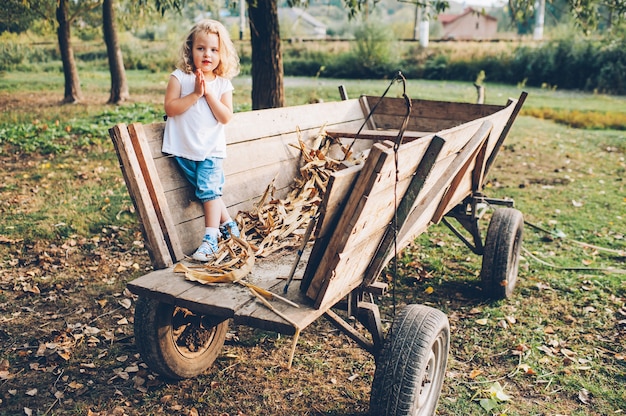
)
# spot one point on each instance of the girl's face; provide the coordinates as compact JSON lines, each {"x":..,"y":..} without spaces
{"x":206,"y":53}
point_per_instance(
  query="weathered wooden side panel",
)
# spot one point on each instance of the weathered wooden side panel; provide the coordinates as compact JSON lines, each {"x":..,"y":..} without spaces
{"x":355,"y":214}
{"x":371,"y":206}
{"x":427,"y":115}
{"x":262,"y":148}
{"x":142,"y":200}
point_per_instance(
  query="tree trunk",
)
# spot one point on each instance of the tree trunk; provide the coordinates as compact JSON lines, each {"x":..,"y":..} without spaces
{"x":267,"y":58}
{"x":119,"y":86}
{"x":72,"y":93}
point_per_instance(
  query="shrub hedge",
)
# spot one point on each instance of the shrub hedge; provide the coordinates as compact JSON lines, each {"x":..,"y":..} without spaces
{"x":569,"y":62}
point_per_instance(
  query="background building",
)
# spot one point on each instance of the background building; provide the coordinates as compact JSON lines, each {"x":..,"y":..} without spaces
{"x":471,"y":24}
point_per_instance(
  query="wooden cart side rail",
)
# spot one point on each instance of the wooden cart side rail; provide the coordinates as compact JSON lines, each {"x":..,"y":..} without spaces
{"x":467,"y":183}
{"x":262,"y":146}
{"x":140,"y":195}
{"x":474,"y":155}
{"x":427,"y":115}
{"x":413,"y":217}
{"x":153,"y":183}
{"x":370,"y":208}
{"x":505,"y":131}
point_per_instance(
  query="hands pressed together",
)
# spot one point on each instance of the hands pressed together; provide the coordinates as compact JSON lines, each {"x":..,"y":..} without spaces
{"x":200,"y":88}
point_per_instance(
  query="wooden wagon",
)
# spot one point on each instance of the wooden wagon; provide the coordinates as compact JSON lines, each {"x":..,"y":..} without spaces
{"x":369,"y":211}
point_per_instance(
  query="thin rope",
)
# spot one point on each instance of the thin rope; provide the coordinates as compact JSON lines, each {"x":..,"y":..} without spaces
{"x":396,"y":148}
{"x":580,"y":243}
{"x":576,"y":269}
{"x":621,"y":253}
{"x":373,"y":109}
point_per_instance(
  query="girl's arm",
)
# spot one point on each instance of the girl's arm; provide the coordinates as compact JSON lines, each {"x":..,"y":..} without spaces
{"x":174,"y":103}
{"x":223,"y":108}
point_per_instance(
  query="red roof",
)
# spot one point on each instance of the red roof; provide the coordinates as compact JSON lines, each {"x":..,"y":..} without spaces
{"x":445,"y":18}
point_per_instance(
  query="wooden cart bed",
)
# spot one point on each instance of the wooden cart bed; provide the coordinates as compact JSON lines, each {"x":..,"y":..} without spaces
{"x":442,"y":161}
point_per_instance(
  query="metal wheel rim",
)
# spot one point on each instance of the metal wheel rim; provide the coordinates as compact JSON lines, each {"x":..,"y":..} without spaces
{"x":430,"y":378}
{"x":177,"y":332}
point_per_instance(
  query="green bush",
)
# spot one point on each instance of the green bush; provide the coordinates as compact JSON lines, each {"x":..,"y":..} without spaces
{"x":55,"y":136}
{"x":569,"y":61}
{"x":372,"y":55}
{"x":15,"y":54}
{"x":565,"y":63}
{"x":12,"y":55}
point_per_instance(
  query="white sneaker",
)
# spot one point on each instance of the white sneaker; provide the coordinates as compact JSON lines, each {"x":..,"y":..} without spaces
{"x":206,"y":251}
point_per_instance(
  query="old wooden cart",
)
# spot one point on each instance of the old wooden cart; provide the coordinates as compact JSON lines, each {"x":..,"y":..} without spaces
{"x":369,"y":211}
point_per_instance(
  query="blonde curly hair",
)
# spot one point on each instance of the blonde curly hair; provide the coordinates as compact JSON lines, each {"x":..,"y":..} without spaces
{"x":229,"y":59}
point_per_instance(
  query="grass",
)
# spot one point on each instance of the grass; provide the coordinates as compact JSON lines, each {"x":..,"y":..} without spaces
{"x":559,"y":336}
{"x":69,"y":241}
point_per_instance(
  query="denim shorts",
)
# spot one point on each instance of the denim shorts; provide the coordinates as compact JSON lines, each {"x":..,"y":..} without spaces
{"x":206,"y":176}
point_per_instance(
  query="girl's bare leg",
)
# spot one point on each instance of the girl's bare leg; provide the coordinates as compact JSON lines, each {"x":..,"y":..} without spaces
{"x":212,"y":212}
{"x":215,"y":213}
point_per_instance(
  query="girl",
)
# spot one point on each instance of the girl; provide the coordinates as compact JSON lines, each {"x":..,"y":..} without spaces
{"x":198,"y":103}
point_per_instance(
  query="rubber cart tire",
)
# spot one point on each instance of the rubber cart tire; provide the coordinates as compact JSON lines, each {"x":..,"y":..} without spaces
{"x":175,"y":342}
{"x":503,"y":244}
{"x":412,"y":364}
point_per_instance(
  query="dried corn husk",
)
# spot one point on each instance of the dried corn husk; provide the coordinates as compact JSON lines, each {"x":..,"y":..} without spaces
{"x":274,"y":224}
{"x":233,"y":261}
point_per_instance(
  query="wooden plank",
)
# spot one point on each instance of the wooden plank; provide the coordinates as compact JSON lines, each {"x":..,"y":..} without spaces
{"x":339,"y":183}
{"x":366,"y":110}
{"x":368,"y":175}
{"x":434,"y":109}
{"x":516,"y":106}
{"x":133,"y":176}
{"x":433,"y":195}
{"x":377,"y":135}
{"x":152,"y":181}
{"x":448,"y":201}
{"x":331,"y":208}
{"x":429,"y":115}
{"x":418,"y":181}
{"x":221,"y":300}
{"x":273,"y":122}
{"x":377,"y":172}
{"x":234,"y":301}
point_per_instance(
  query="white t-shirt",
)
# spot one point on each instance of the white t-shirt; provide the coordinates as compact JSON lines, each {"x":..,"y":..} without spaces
{"x":196,"y":134}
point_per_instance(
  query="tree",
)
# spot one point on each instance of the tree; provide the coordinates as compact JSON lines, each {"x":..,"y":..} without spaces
{"x":588,"y":15}
{"x":16,"y":16}
{"x":119,"y":86}
{"x":267,"y":59}
{"x":72,"y":92}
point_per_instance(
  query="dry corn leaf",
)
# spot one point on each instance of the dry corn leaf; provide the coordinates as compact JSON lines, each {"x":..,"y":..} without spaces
{"x":274,"y":224}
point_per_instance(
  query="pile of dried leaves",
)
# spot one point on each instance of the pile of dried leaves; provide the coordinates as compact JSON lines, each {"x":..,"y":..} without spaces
{"x":274,"y":224}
